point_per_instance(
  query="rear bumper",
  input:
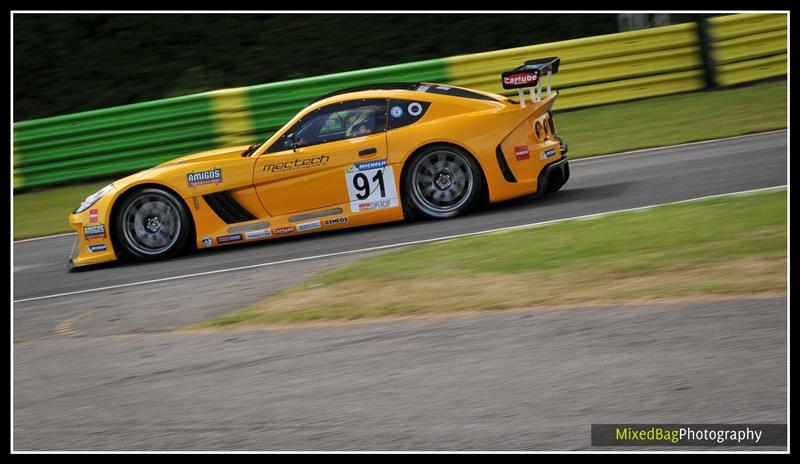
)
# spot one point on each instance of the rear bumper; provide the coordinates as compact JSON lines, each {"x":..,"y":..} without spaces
{"x":561,"y":165}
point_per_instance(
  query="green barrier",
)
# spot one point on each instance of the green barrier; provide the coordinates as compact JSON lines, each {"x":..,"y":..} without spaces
{"x":594,"y":70}
{"x":109,"y":141}
{"x":131,"y":137}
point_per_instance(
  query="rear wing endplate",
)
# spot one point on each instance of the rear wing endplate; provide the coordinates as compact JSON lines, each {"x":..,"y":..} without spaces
{"x":529,"y":75}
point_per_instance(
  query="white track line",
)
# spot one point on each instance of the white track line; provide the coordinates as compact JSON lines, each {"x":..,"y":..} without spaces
{"x":579,"y":160}
{"x":45,"y":237}
{"x":394,"y":245}
{"x":667,"y":147}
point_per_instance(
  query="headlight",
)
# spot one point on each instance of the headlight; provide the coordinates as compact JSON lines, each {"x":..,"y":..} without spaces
{"x":92,"y":199}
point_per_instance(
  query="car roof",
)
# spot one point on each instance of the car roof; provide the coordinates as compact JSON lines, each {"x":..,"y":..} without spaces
{"x":417,"y":87}
{"x":359,"y":88}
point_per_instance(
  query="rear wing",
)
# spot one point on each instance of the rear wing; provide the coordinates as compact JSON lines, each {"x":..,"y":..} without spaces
{"x":529,"y":75}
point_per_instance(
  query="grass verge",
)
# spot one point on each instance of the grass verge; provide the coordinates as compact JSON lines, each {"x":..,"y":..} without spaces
{"x":46,"y":212}
{"x":672,"y":119}
{"x":728,"y":246}
{"x":593,"y":131}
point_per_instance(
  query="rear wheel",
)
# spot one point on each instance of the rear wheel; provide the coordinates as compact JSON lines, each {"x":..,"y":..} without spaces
{"x":442,"y":181}
{"x":152,"y":224}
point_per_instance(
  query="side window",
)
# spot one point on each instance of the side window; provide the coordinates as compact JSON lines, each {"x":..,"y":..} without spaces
{"x":405,"y":112}
{"x":343,"y":120}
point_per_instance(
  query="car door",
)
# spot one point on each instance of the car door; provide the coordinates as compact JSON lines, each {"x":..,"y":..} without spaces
{"x":307,"y":167}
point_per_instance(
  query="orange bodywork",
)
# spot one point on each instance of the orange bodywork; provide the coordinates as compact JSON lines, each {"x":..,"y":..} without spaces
{"x":305,"y":190}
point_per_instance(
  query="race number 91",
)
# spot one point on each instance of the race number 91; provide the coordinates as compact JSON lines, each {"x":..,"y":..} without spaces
{"x":370,"y":185}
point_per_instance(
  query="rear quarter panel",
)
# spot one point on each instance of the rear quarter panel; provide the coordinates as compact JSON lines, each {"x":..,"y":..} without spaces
{"x":478,"y":126}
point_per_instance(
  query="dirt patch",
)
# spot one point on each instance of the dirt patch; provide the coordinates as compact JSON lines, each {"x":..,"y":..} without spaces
{"x":362,"y":299}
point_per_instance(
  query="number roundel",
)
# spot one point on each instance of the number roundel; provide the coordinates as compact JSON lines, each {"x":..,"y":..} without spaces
{"x":371,"y":186}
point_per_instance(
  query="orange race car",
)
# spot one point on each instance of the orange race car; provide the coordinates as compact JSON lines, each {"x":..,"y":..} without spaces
{"x":358,"y":156}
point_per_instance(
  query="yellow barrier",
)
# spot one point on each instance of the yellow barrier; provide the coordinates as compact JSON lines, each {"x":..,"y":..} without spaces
{"x":231,"y":115}
{"x":748,"y":47}
{"x":642,"y":63}
{"x":739,"y":25}
{"x":745,"y":71}
{"x":630,"y":89}
{"x":608,"y":61}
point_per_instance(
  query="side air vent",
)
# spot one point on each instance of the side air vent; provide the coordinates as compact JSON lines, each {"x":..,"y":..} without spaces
{"x":227,"y":208}
{"x":504,"y":168}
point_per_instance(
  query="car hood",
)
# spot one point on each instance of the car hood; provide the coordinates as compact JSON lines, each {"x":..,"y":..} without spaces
{"x":200,"y":157}
{"x":219,"y":153}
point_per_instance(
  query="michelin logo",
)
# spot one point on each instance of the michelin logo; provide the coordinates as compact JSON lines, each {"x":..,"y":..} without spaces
{"x":365,"y":166}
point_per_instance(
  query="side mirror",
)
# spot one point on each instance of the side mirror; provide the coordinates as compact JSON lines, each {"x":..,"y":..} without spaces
{"x":290,"y":142}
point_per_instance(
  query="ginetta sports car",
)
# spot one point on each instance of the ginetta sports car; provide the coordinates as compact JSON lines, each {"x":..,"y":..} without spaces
{"x":359,"y":156}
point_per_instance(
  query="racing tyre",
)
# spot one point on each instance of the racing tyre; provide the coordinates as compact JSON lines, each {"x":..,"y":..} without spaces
{"x":152,"y":224}
{"x":442,"y":181}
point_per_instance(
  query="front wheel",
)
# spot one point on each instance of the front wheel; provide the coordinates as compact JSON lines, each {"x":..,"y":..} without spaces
{"x":152,"y":223}
{"x":442,"y":181}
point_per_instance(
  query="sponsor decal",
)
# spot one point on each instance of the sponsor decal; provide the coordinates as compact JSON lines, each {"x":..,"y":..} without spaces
{"x":365,"y":166}
{"x":257,"y":234}
{"x":521,"y":153}
{"x":283,"y":230}
{"x":229,"y":238}
{"x":338,"y":220}
{"x":212,"y":176}
{"x":442,"y":87}
{"x":373,"y":205}
{"x":207,"y":242}
{"x":548,"y":153}
{"x":370,"y":185}
{"x":414,"y":108}
{"x":304,"y":163}
{"x":423,"y":88}
{"x":513,"y":80}
{"x":309,"y":225}
{"x":196,"y":203}
{"x":98,"y":231}
{"x":92,"y":215}
{"x":396,"y":111}
{"x":96,"y":248}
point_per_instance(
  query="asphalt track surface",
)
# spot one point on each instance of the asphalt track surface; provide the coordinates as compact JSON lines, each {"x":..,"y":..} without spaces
{"x":101,"y":370}
{"x":511,"y":380}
